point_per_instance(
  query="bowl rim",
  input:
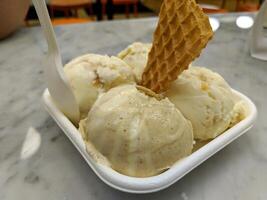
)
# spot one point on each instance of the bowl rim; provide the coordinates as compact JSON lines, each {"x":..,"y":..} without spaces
{"x":154,"y":183}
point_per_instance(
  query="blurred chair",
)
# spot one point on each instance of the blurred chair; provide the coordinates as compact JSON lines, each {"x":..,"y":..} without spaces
{"x":207,"y":8}
{"x":212,"y":8}
{"x":244,"y":6}
{"x":71,"y":20}
{"x":126,"y":3}
{"x":70,"y":9}
{"x":70,"y":5}
{"x":152,"y":4}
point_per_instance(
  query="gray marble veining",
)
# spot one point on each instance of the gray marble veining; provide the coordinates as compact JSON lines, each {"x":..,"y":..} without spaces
{"x":55,"y":170}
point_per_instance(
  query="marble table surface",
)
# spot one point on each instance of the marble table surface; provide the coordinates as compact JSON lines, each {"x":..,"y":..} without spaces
{"x":37,"y":161}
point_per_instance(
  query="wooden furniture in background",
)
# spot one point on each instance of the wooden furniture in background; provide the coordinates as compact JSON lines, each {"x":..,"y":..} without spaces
{"x":152,"y":4}
{"x":70,"y":9}
{"x":209,"y":10}
{"x":244,"y":6}
{"x":126,"y":3}
{"x":71,"y":20}
{"x":70,"y":5}
{"x":212,"y":8}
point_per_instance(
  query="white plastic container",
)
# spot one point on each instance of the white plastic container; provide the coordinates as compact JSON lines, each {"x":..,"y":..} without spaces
{"x":167,"y":178}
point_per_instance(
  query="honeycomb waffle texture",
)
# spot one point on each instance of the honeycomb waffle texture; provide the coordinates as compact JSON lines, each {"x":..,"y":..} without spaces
{"x":182,"y":32}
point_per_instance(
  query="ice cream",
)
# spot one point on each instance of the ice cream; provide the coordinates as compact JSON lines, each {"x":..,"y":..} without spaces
{"x":135,"y":55}
{"x":139,"y":134}
{"x":91,"y":74}
{"x":239,"y":113}
{"x":205,"y":99}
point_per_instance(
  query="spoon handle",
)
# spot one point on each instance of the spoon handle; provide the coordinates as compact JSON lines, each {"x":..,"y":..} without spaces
{"x":58,"y":85}
{"x":46,"y":25}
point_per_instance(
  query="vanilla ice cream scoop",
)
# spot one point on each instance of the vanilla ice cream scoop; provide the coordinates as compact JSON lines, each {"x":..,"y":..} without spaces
{"x":136,"y":55}
{"x":138,"y":134}
{"x":91,"y":74}
{"x":205,"y":99}
{"x":239,"y":113}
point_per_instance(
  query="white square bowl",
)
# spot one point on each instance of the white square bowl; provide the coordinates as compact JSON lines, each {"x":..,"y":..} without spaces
{"x":165,"y":179}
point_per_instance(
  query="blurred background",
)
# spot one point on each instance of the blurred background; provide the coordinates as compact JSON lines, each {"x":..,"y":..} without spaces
{"x":19,"y":13}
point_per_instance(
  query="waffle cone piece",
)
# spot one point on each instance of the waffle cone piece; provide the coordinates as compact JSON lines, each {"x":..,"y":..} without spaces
{"x":183,"y":31}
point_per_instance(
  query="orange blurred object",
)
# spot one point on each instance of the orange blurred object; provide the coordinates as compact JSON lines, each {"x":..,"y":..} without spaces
{"x":61,"y":21}
{"x":127,"y":4}
{"x":68,"y":5}
{"x":213,"y":11}
{"x":247,"y":6}
{"x":69,"y":2}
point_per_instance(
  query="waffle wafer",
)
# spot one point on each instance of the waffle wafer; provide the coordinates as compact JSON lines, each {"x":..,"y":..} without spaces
{"x":182,"y":32}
